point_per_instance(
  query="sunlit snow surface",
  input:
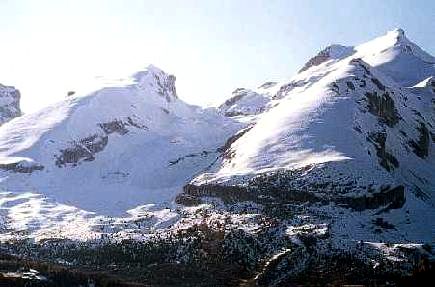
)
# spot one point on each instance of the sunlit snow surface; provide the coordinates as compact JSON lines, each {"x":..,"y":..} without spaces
{"x":127,"y":188}
{"x":312,"y":124}
{"x":136,"y":164}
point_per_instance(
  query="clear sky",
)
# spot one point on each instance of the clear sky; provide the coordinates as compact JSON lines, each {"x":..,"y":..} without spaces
{"x":50,"y":47}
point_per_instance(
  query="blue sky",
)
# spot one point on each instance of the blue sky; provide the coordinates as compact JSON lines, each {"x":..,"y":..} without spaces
{"x":50,"y":47}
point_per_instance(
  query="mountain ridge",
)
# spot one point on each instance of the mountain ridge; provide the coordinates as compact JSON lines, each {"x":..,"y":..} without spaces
{"x":346,"y":146}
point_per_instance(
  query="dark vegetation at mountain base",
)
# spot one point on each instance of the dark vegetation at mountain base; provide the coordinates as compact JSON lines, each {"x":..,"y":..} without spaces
{"x":203,"y":256}
{"x":332,"y":271}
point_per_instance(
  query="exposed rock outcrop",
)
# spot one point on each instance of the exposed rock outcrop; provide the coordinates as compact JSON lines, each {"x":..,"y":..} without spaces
{"x":86,"y":148}
{"x":281,"y":193}
{"x":421,"y":147}
{"x":244,"y":102}
{"x":383,"y":107}
{"x":225,"y":150}
{"x":388,"y":197}
{"x":156,"y":78}
{"x":82,"y":150}
{"x":21,"y":167}
{"x":9,"y":103}
{"x":386,"y":159}
{"x":267,"y":85}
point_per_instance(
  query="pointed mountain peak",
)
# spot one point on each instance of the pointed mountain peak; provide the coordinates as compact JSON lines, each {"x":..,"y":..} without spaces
{"x":398,"y":57}
{"x":156,"y":78}
{"x":391,"y":39}
{"x":395,"y":36}
{"x":399,"y":34}
{"x":149,"y":72}
{"x":394,"y":39}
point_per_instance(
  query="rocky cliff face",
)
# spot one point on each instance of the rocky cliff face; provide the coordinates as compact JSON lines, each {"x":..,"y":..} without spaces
{"x":9,"y":103}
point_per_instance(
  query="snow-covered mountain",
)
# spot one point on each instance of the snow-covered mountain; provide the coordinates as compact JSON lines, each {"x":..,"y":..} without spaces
{"x":354,"y":128}
{"x":358,"y":113}
{"x":339,"y":157}
{"x":9,"y":103}
{"x":132,"y":143}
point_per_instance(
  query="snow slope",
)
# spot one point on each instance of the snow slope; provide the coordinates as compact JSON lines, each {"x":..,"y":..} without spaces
{"x":351,"y":114}
{"x":355,"y":123}
{"x":109,"y":151}
{"x":399,"y":58}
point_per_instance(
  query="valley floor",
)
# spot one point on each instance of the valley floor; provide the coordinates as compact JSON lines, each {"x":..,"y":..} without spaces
{"x":328,"y":272}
